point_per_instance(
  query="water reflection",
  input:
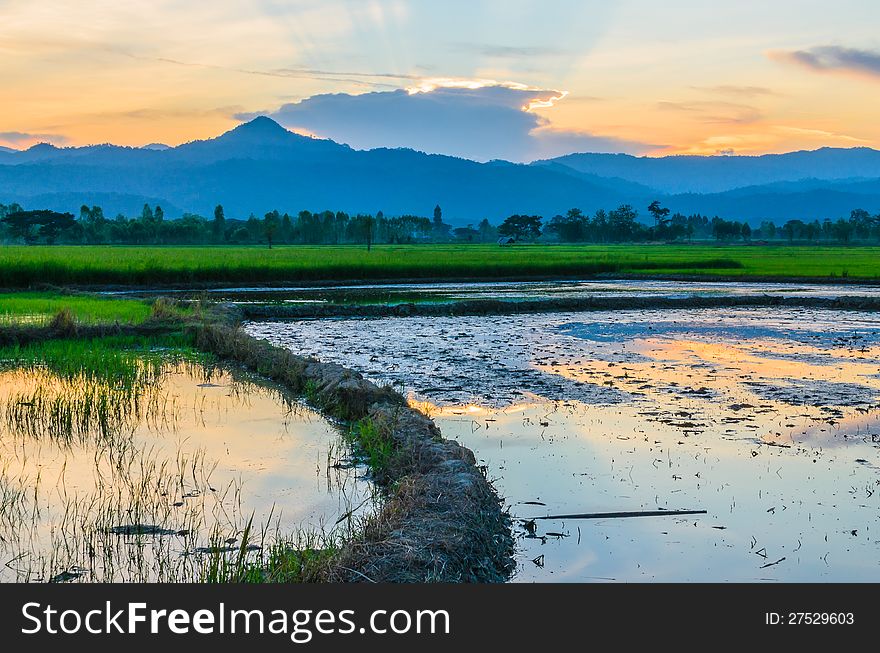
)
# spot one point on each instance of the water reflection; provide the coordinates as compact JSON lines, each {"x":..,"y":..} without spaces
{"x":766,"y":419}
{"x":193,"y":455}
{"x":512,"y":291}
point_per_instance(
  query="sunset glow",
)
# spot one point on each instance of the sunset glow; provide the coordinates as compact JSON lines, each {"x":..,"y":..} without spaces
{"x":743,"y":78}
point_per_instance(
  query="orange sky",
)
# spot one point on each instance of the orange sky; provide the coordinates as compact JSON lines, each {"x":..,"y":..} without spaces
{"x":676,"y":77}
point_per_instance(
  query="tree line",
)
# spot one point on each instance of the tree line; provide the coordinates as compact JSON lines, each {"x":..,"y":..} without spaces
{"x":620,"y":225}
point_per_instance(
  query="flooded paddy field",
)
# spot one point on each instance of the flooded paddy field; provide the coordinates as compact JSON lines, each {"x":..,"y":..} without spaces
{"x":161,"y":471}
{"x":404,"y":293}
{"x":765,"y":418}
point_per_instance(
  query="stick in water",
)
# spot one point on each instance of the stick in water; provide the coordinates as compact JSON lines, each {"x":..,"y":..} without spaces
{"x":618,"y":515}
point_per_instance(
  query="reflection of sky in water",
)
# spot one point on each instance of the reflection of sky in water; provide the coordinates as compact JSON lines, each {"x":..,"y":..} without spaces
{"x":766,"y":419}
{"x":231,"y":448}
{"x":721,"y":330}
{"x":520,"y":291}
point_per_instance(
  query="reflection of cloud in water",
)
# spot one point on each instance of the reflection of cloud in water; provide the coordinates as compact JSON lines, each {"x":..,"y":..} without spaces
{"x":812,"y":392}
{"x":721,"y":330}
{"x":205,"y":455}
{"x":701,"y":400}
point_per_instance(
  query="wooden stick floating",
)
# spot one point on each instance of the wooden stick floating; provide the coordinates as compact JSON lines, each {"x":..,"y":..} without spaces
{"x":619,"y":515}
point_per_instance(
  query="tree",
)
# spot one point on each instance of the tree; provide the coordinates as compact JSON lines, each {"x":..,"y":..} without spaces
{"x":361,"y":229}
{"x":570,"y":228}
{"x":159,"y":215}
{"x":94,"y":224}
{"x":467,"y":233}
{"x":271,"y":225}
{"x":768,"y":230}
{"x":521,"y":227}
{"x":30,"y":225}
{"x":659,"y":213}
{"x":146,"y":214}
{"x":218,"y":226}
{"x":441,"y":230}
{"x":746,"y":231}
{"x":254,"y":228}
{"x":843,"y":230}
{"x":622,"y":222}
{"x":286,"y":228}
{"x":21,"y":225}
{"x":487,"y":231}
{"x":369,"y":225}
{"x":53,"y":223}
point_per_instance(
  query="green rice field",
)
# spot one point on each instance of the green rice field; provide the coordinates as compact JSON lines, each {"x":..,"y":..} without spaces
{"x":22,"y":266}
{"x":37,"y":308}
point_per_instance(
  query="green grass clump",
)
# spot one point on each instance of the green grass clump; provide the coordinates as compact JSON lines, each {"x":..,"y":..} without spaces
{"x":76,"y":390}
{"x":302,"y":558}
{"x":123,"y":360}
{"x":39,"y":308}
{"x":372,"y":445}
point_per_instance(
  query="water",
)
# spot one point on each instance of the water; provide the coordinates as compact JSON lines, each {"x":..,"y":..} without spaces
{"x":198,"y":456}
{"x":393,"y":294}
{"x":766,"y":419}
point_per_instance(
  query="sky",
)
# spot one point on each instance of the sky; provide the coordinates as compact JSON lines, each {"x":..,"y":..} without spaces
{"x":483,"y":79}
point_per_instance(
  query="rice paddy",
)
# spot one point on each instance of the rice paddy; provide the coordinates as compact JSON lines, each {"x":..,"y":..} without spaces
{"x":20,"y":266}
{"x":134,"y":459}
{"x":39,"y":308}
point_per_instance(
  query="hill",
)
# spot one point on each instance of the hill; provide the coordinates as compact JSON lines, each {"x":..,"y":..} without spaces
{"x":260,"y":166}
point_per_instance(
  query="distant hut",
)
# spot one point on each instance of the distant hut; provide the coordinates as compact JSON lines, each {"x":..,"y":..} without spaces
{"x":506,"y":241}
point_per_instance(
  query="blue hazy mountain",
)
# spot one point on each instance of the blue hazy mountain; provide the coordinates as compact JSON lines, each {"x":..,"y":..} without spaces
{"x":714,"y":174}
{"x":260,"y":166}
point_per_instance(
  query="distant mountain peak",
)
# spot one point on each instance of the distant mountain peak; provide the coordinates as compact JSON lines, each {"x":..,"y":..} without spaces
{"x":261,"y":126}
{"x":42,"y":147}
{"x":156,"y":146}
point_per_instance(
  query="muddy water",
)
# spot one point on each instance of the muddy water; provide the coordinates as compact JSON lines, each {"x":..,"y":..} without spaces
{"x":515,"y":291}
{"x":767,"y":420}
{"x":140,"y":493}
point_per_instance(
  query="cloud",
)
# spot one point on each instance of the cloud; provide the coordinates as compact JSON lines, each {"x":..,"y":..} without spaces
{"x":723,"y":113}
{"x":831,"y":58}
{"x":737,"y":91}
{"x":474,"y":119}
{"x":359,"y":78}
{"x":511,"y":51}
{"x":26,"y":139}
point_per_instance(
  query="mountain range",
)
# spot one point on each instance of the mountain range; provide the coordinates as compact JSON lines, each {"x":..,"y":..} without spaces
{"x":260,"y":166}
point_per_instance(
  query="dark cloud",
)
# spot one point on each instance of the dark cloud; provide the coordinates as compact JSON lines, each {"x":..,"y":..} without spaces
{"x":833,"y":58}
{"x":17,"y":139}
{"x":482,"y":124}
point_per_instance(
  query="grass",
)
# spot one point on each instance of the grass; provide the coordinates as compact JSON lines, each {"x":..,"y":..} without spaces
{"x":22,"y":266}
{"x":124,"y":360}
{"x":372,"y":445}
{"x":151,"y":516}
{"x":39,"y":308}
{"x":75,"y":390}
